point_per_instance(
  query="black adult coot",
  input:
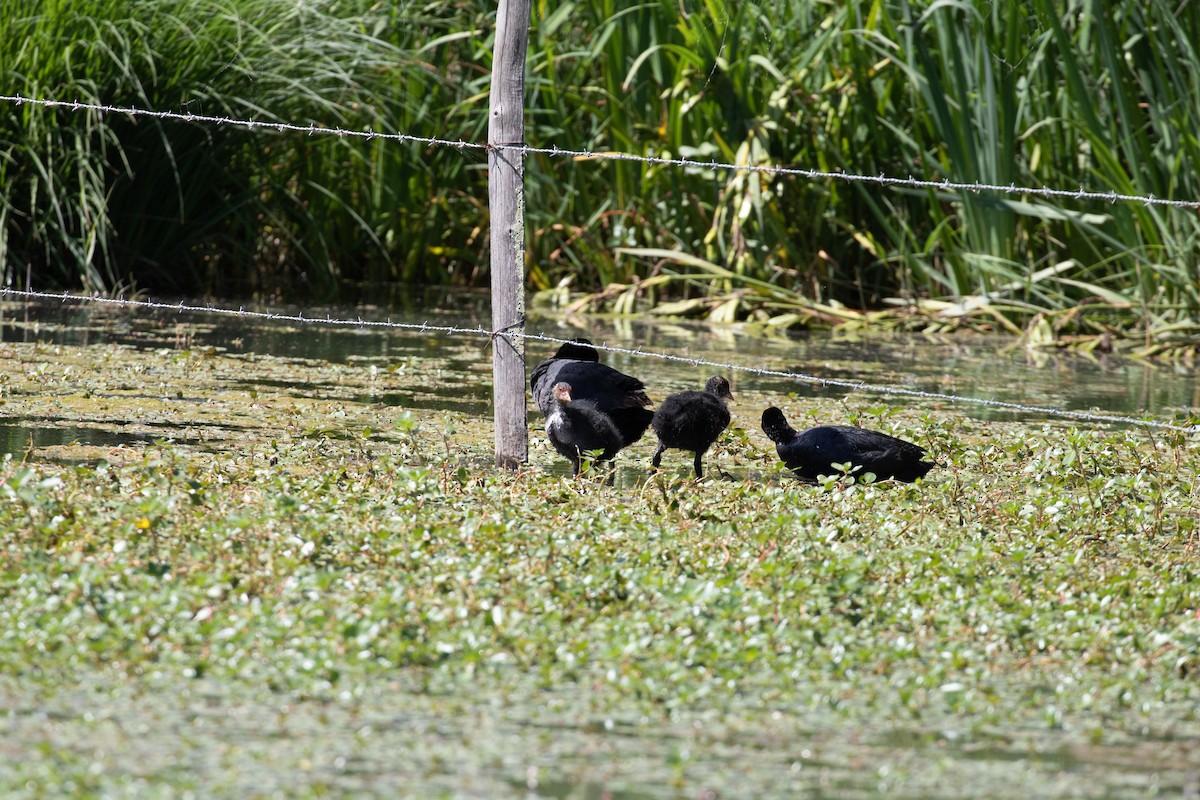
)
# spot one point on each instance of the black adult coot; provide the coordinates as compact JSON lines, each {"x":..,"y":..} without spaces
{"x":812,"y":452}
{"x":692,"y":420}
{"x":620,"y":396}
{"x":577,"y":426}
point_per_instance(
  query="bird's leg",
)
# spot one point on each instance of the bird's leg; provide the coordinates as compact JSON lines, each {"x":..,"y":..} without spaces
{"x":696,"y":464}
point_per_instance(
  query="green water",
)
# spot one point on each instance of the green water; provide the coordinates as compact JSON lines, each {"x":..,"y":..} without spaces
{"x":392,"y":741}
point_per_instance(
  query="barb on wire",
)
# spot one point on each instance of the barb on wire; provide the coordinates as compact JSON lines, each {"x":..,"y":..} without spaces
{"x":186,"y":116}
{"x":555,"y":151}
{"x":455,"y":330}
{"x":243,"y":313}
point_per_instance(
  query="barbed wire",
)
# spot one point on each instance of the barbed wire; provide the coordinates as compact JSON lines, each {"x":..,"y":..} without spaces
{"x":283,"y":127}
{"x":456,"y":330}
{"x":554,"y":151}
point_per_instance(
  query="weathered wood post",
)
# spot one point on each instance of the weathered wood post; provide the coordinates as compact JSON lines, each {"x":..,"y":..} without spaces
{"x":506,"y":200}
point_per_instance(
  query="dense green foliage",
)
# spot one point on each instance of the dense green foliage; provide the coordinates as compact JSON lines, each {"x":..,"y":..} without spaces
{"x":112,"y":201}
{"x":1053,"y":93}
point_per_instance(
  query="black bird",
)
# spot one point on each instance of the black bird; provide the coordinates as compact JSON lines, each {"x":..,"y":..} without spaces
{"x":620,"y":396}
{"x":812,"y":452}
{"x":577,"y":426}
{"x":692,"y":420}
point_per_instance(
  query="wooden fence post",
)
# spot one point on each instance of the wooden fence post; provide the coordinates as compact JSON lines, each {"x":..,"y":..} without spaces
{"x":506,"y":201}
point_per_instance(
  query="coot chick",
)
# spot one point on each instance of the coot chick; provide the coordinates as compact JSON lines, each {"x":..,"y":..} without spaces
{"x":692,"y":420}
{"x":577,"y":426}
{"x":620,"y":396}
{"x":812,"y":452}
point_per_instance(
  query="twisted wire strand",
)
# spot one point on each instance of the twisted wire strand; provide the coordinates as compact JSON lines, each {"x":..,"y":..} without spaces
{"x":554,"y":151}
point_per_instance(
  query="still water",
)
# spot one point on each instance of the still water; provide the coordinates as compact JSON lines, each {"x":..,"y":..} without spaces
{"x":993,"y":368}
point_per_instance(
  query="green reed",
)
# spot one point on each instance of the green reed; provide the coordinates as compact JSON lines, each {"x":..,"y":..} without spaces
{"x":1056,"y":93}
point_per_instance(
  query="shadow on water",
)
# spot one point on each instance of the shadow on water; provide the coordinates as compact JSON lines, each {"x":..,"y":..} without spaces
{"x":54,"y":441}
{"x":429,"y":371}
{"x":29,"y":434}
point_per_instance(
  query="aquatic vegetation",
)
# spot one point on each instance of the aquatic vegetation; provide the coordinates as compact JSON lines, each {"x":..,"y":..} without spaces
{"x":318,"y":576}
